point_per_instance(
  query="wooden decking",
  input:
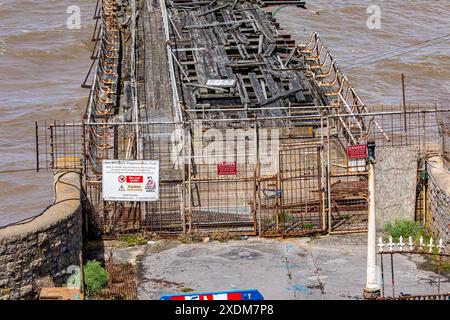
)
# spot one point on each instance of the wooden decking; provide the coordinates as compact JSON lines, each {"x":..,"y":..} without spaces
{"x":155,"y":94}
{"x":237,"y":63}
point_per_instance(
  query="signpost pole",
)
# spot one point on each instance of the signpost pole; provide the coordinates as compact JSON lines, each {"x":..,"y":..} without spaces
{"x":190,"y":191}
{"x":372,"y":289}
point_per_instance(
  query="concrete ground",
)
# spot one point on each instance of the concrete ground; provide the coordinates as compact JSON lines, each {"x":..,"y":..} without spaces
{"x":329,"y":267}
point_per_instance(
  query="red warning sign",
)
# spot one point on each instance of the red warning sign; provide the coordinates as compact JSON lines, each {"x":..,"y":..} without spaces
{"x":358,"y":151}
{"x":135,"y":179}
{"x":226,"y":168}
{"x":121,"y":179}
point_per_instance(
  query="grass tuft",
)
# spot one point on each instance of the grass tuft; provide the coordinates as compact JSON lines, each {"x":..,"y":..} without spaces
{"x":133,"y":240}
{"x":96,"y":277}
{"x":405,"y":227}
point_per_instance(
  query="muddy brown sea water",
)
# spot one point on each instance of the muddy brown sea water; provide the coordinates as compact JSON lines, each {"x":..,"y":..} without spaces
{"x":342,"y":25}
{"x":42,"y":64}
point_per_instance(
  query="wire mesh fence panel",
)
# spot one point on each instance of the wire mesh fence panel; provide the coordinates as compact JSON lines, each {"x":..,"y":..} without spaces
{"x":418,"y":127}
{"x":301,"y":187}
{"x":59,"y":145}
{"x":348,"y":203}
{"x":221,"y":171}
{"x":348,"y":189}
{"x":159,"y":141}
{"x":245,"y":176}
{"x":290,"y":197}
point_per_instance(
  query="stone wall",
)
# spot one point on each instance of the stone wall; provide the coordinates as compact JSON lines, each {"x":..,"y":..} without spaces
{"x":395,"y":183}
{"x":38,"y":251}
{"x":438,"y":217}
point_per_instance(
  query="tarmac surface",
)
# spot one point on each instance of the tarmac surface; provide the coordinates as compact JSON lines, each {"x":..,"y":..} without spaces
{"x":328,"y":267}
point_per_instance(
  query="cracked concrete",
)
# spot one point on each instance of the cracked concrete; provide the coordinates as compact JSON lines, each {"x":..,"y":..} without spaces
{"x":329,"y":267}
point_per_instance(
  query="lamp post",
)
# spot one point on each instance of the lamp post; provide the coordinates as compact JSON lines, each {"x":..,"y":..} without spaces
{"x":372,"y":289}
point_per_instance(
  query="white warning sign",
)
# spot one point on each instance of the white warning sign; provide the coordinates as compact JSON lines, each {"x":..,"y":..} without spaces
{"x":130,"y":180}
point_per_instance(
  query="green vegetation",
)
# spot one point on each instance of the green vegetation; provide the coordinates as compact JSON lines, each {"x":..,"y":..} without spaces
{"x":287,"y":217}
{"x":406,"y":228}
{"x":308,"y":226}
{"x":133,"y":240}
{"x":409,"y":228}
{"x":268,"y":221}
{"x":187,"y":290}
{"x":95,"y":277}
{"x":445,"y":265}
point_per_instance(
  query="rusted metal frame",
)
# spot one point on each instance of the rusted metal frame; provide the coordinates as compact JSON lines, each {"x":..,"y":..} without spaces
{"x":52,"y":144}
{"x":272,"y":234}
{"x":350,"y":231}
{"x":108,"y":7}
{"x":387,"y":113}
{"x":358,"y":99}
{"x":183,"y":182}
{"x":332,"y":82}
{"x":304,"y":47}
{"x":255,"y":190}
{"x":97,"y":11}
{"x":337,"y":225}
{"x":108,"y":53}
{"x":107,"y":68}
{"x":258,"y":175}
{"x":279,"y":200}
{"x":338,"y":92}
{"x":319,"y":65}
{"x":133,"y":73}
{"x":329,"y":175}
{"x":190,"y":187}
{"x":349,"y":174}
{"x":106,"y":89}
{"x":318,"y":56}
{"x":37,"y":144}
{"x":105,"y":33}
{"x":89,"y":109}
{"x":104,"y":97}
{"x":326,"y":74}
{"x":256,"y":108}
{"x":319,"y":181}
{"x":84,"y":85}
{"x":312,"y":38}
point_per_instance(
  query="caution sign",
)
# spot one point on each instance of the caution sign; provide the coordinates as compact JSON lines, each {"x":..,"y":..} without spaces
{"x":226,"y":168}
{"x":130,"y":180}
{"x":358,"y":151}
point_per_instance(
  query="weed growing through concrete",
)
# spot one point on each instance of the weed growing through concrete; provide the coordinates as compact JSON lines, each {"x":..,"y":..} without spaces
{"x":134,"y":240}
{"x":405,"y":228}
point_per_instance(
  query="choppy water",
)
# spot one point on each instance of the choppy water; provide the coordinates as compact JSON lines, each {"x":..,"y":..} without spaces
{"x":42,"y":64}
{"x":342,"y":25}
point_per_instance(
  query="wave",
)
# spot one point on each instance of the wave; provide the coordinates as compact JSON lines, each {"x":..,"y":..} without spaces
{"x":75,"y":49}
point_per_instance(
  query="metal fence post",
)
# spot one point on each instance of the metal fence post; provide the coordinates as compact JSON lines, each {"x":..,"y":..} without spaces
{"x":372,"y":288}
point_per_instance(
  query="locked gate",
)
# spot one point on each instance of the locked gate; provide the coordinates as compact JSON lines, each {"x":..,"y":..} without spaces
{"x":291,"y":201}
